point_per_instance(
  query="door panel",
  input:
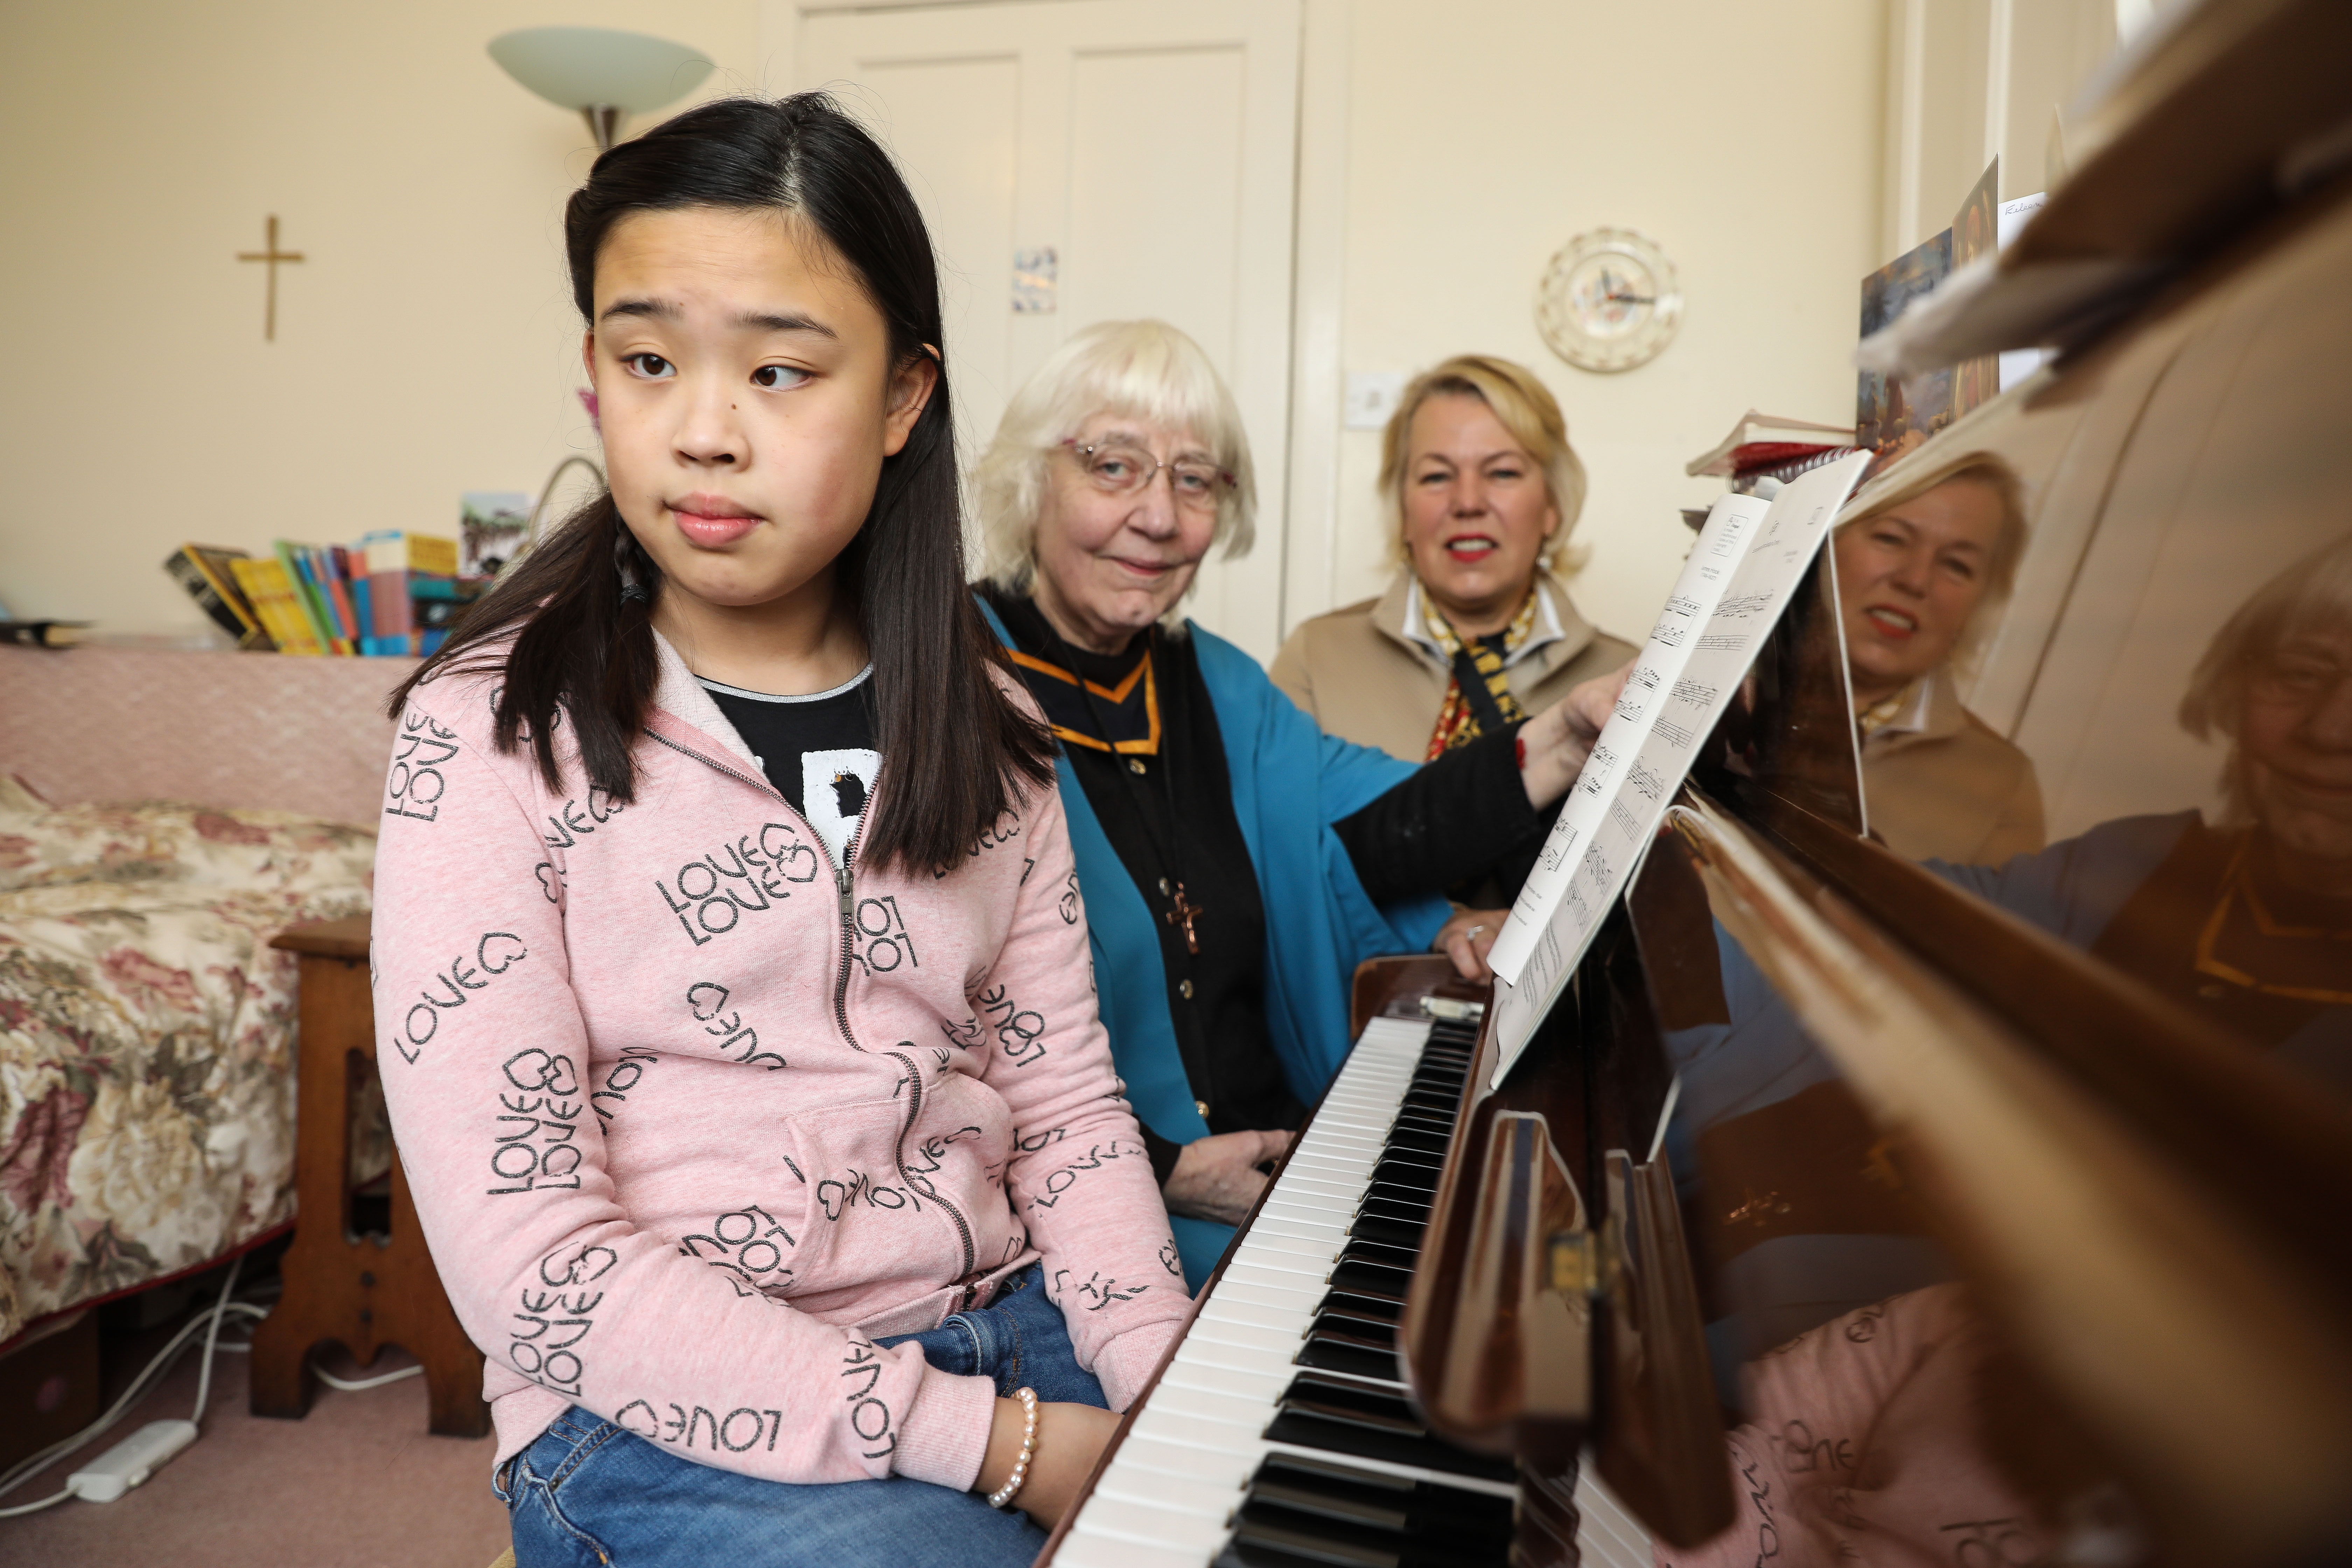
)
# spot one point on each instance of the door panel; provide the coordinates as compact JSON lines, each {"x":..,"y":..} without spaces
{"x":1151,"y":146}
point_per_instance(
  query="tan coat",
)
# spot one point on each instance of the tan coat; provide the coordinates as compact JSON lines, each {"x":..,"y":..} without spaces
{"x":1362,"y":677}
{"x":1952,"y":789}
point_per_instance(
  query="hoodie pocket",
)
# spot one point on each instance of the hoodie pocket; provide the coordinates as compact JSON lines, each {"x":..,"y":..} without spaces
{"x":861,"y":1224}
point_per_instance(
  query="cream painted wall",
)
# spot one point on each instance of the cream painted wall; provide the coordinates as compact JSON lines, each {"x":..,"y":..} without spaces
{"x":1745,"y":139}
{"x":426,"y":347}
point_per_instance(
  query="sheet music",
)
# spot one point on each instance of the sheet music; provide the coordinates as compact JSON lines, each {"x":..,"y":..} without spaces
{"x":1748,"y":559}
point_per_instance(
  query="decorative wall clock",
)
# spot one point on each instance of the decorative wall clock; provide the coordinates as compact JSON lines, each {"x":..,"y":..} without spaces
{"x":1609,"y":300}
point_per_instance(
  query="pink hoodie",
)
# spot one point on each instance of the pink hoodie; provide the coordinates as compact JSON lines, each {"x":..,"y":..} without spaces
{"x":691,"y":1119}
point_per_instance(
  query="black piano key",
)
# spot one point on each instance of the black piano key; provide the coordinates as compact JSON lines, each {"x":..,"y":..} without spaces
{"x":1408,"y":1204}
{"x":1249,"y":1552}
{"x":1329,"y":1354}
{"x":1379,"y":1334}
{"x":1376,"y":1280}
{"x":1341,"y":1419}
{"x":1407,"y":1168}
{"x":1381,"y":1227}
{"x":1285,"y":1538}
{"x":1423,"y":1126}
{"x":1385,"y":1309}
{"x":1365,"y":1250}
{"x":1371,"y":1498}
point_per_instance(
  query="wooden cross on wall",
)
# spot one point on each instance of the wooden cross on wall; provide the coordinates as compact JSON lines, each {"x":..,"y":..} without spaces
{"x":272,"y":256}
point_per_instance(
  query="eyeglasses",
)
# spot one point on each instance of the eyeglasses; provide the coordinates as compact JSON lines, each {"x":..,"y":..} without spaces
{"x":1123,"y":469}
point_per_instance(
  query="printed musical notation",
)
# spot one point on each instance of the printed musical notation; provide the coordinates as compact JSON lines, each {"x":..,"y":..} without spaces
{"x":1750,"y":556}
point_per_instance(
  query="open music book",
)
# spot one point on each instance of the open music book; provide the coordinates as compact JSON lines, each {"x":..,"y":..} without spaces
{"x":1749,"y":557}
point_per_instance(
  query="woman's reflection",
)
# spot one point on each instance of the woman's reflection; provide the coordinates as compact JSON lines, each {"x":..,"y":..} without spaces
{"x":1918,"y":577}
{"x":2247,"y":924}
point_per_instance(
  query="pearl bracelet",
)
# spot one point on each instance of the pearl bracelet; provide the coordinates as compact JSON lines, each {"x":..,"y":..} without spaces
{"x":1005,"y":1494}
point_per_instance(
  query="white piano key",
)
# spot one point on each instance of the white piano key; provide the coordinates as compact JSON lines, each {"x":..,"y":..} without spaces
{"x":1245,"y":1290}
{"x":1279,"y":1208}
{"x":1309,"y":1183}
{"x":1226,"y":1309}
{"x":1207,"y":1404}
{"x":1260,"y":1278}
{"x":1259,"y":1386}
{"x":1317,"y":1249}
{"x":1247,"y":1336}
{"x":1332,"y":1232}
{"x":1084,"y":1549}
{"x":1124,"y":1519}
{"x":1279,"y":1363}
{"x":1212,"y":1500}
{"x":1228,"y":1466}
{"x":1159,"y":1426}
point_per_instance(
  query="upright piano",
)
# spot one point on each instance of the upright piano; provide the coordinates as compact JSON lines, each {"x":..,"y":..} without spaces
{"x":1848,"y":1208}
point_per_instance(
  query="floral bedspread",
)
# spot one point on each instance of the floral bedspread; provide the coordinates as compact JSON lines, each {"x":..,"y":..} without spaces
{"x":147,"y":1035}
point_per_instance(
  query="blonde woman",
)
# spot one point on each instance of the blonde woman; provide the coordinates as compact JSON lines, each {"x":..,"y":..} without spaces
{"x":1237,"y":862}
{"x":1475,"y":633}
{"x":1920,"y":576}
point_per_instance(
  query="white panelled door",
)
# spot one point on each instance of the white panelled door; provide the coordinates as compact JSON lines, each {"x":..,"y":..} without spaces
{"x":1150,"y":145}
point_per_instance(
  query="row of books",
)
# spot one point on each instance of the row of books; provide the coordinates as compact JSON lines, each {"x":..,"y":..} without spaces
{"x":394,"y":595}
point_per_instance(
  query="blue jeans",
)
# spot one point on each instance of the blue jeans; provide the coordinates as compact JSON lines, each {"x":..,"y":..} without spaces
{"x":587,"y":1494}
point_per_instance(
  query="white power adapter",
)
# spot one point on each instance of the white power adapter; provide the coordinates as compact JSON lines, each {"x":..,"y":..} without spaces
{"x":130,"y":1461}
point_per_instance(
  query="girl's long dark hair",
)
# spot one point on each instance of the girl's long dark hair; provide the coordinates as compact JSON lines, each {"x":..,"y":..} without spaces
{"x":954,"y":749}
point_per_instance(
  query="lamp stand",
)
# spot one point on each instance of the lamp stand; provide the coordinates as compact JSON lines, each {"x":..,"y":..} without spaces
{"x":604,"y":123}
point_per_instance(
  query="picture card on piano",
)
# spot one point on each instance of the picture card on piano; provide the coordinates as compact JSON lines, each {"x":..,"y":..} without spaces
{"x":1749,"y":557}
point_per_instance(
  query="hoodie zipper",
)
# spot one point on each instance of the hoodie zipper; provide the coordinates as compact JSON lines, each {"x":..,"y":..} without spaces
{"x":845,"y":887}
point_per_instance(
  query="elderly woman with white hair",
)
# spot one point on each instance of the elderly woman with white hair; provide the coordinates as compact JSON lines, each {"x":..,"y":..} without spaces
{"x":2248,"y":923}
{"x":1237,"y":863}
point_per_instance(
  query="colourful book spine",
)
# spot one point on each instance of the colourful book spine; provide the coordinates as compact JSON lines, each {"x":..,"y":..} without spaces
{"x":390,"y":571}
{"x":335,"y":575}
{"x":306,"y":596}
{"x":216,"y":598}
{"x":265,"y":584}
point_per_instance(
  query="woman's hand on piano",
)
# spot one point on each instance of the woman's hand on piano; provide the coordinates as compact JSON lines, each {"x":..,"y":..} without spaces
{"x":1217,"y":1177}
{"x":1466,"y":938}
{"x":1070,"y":1438}
{"x":1555,"y":742}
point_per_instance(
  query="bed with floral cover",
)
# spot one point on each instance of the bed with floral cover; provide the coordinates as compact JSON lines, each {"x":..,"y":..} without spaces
{"x":147,"y":1036}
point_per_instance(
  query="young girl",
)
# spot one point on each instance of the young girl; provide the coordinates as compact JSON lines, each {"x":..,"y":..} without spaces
{"x":731,"y":977}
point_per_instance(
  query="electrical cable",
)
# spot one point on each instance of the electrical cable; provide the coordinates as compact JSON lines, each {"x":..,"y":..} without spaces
{"x":210,"y":1320}
{"x":331,"y":1381}
{"x":33,"y":1464}
{"x":211,"y":1338}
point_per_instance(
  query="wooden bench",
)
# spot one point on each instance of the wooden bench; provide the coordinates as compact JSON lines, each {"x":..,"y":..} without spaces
{"x":365,"y":1291}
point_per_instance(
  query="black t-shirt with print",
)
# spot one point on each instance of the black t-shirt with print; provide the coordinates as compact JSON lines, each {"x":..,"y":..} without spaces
{"x":818,"y":750}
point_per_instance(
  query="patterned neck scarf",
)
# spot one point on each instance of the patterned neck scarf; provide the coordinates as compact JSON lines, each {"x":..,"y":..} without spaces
{"x":1479,"y":699}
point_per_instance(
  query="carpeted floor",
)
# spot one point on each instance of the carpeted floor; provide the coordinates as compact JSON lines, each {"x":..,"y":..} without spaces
{"x":358,"y":1483}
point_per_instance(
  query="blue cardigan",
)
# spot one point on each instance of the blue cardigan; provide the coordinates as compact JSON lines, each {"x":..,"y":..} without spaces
{"x":1291,"y":784}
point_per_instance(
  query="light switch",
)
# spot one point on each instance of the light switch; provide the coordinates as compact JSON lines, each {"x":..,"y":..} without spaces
{"x":1373,"y":397}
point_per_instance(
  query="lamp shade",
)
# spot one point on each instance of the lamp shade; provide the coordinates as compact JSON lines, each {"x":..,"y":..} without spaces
{"x":585,"y":67}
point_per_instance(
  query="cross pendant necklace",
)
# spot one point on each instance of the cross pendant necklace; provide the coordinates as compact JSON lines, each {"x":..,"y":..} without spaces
{"x":1185,"y":913}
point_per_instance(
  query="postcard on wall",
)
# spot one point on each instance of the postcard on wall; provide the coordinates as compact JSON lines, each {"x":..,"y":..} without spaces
{"x":1749,"y":558}
{"x":1891,"y":413}
{"x":493,"y":525}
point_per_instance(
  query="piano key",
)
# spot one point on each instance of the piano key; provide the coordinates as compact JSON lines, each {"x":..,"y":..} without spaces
{"x":1223,"y":1308}
{"x":1208,"y":1404}
{"x":1229,"y":1468}
{"x":1247,"y":1336}
{"x":1258,"y":1387}
{"x":1282,"y":1297}
{"x":1082,"y":1548}
{"x":1262,"y":1278}
{"x":1128,"y":1518}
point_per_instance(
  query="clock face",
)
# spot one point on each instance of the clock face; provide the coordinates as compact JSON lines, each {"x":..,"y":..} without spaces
{"x":1609,"y":300}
